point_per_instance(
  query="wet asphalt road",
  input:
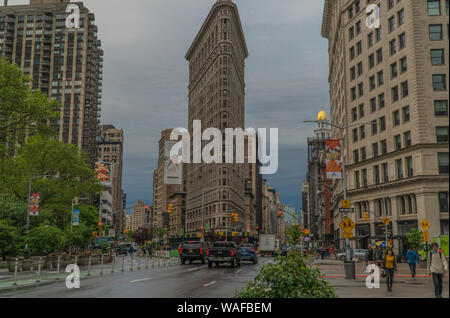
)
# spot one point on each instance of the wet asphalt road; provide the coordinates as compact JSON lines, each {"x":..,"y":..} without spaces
{"x":176,"y":281}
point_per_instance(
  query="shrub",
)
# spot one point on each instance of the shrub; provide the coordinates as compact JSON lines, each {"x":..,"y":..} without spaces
{"x":288,"y":277}
{"x":44,"y":239}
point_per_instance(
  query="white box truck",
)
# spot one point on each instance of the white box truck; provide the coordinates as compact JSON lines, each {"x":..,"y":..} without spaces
{"x":267,"y":244}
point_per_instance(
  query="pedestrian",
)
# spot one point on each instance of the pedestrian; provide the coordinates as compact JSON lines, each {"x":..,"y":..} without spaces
{"x":389,"y":266}
{"x":412,"y":258}
{"x":437,"y":266}
{"x":131,"y":250}
{"x":371,"y":255}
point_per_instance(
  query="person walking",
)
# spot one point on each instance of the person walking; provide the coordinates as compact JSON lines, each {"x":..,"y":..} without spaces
{"x":389,"y":266}
{"x":412,"y":258}
{"x":371,"y":255}
{"x":131,"y":250}
{"x":437,"y":266}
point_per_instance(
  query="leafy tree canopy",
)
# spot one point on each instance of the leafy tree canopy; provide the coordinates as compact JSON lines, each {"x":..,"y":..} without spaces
{"x":39,"y":157}
{"x":44,"y":239}
{"x":22,"y":110}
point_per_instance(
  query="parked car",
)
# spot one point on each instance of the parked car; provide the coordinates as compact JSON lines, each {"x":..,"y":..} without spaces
{"x":224,"y":252}
{"x":193,"y":251}
{"x":360,"y":254}
{"x":248,"y":253}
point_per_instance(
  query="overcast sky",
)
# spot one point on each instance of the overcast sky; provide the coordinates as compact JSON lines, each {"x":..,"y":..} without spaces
{"x":145,"y":78}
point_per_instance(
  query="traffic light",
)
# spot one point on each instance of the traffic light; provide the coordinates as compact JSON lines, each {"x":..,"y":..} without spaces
{"x":235,"y":217}
{"x":100,"y":224}
{"x":280,"y":213}
{"x":170,"y":208}
{"x":366,"y":216}
{"x":201,"y":228}
{"x":146,"y":208}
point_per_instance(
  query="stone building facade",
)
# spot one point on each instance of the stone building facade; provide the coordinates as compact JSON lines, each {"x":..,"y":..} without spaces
{"x":389,"y":89}
{"x":216,"y":97}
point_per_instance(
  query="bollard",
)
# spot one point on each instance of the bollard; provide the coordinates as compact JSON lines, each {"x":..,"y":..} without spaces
{"x":76,"y":260}
{"x":89,"y":265}
{"x":153,"y":261}
{"x":39,"y":270}
{"x":57,"y":265}
{"x":131,"y":262}
{"x":113,"y":260}
{"x":146,"y":261}
{"x":139,"y":263}
{"x":101,"y":265}
{"x":123,"y":262}
{"x":16,"y":267}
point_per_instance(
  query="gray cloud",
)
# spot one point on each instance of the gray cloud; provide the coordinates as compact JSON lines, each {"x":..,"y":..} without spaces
{"x":145,"y":77}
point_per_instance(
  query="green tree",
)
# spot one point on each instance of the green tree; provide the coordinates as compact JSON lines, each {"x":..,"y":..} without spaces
{"x":44,"y":239}
{"x":288,"y":277}
{"x":78,"y":236}
{"x":293,"y":234}
{"x":23,"y":111}
{"x":159,"y":232}
{"x":41,"y":156}
{"x":415,"y":239}
{"x":13,"y":211}
{"x":8,"y":239}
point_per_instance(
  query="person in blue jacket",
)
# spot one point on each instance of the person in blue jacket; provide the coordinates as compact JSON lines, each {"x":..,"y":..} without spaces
{"x":412,"y":258}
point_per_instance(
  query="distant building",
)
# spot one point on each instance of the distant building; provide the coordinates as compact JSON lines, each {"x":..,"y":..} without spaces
{"x":106,"y":213}
{"x":110,"y":150}
{"x":317,"y":216}
{"x":138,"y":216}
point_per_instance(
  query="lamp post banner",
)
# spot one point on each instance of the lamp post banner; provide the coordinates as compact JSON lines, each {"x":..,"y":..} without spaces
{"x":76,"y":217}
{"x":34,"y":203}
{"x":333,"y":159}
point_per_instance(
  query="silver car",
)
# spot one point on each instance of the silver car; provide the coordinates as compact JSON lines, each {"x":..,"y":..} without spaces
{"x":360,"y":254}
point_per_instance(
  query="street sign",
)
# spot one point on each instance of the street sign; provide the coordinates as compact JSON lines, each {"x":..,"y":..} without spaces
{"x":346,"y":210}
{"x":347,"y":225}
{"x":348,"y":235}
{"x":346,"y":204}
{"x":425,"y":225}
{"x":306,"y":231}
{"x":386,"y":221}
{"x":426,"y":236}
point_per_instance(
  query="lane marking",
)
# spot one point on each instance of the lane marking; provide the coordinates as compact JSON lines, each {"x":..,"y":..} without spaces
{"x":238,"y":271}
{"x":193,"y":269}
{"x":140,"y":280}
{"x":209,"y":284}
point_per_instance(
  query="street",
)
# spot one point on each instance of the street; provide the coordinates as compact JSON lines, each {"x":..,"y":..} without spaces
{"x":176,"y":281}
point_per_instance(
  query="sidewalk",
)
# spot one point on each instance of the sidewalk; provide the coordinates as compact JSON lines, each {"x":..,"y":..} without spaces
{"x":404,"y":286}
{"x":30,"y":278}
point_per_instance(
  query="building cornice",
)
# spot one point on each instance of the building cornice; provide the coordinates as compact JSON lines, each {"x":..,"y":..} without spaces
{"x":326,"y":18}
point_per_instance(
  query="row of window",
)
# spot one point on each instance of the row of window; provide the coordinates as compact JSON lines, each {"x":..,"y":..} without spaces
{"x":433,"y":7}
{"x":439,"y":82}
{"x":381,"y":172}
